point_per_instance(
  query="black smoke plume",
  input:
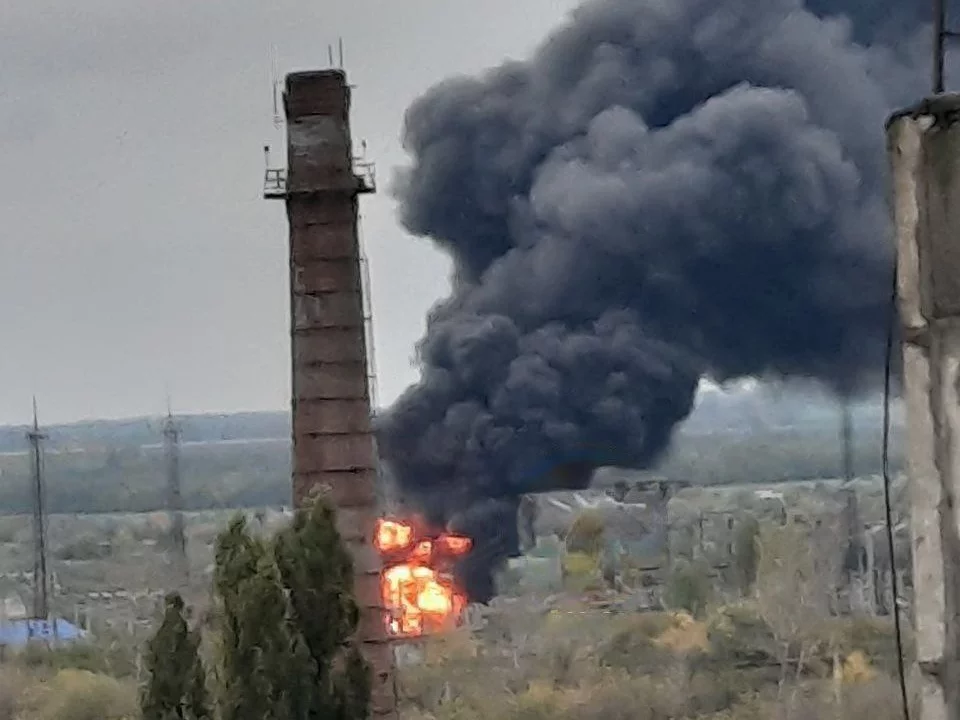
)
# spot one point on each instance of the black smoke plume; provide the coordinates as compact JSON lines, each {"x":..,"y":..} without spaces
{"x":666,"y":190}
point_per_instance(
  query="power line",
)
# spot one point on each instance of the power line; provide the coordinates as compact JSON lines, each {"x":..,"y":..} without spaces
{"x":887,"y":502}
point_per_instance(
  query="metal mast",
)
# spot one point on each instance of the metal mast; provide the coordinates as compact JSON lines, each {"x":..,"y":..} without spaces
{"x":178,"y":541}
{"x":940,"y":36}
{"x":846,"y":438}
{"x":41,"y":585}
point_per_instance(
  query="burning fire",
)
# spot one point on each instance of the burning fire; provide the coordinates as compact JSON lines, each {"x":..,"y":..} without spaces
{"x":416,"y":584}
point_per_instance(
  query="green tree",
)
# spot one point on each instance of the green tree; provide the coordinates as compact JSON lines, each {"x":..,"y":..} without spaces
{"x":688,"y":588}
{"x":258,"y":655}
{"x":317,"y":571}
{"x":176,"y":687}
{"x":745,"y":553}
{"x":287,"y":619}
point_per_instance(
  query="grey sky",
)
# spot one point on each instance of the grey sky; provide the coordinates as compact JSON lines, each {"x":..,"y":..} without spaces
{"x":137,"y":254}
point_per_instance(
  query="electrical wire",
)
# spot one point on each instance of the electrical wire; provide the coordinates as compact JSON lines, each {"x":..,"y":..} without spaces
{"x":887,"y":502}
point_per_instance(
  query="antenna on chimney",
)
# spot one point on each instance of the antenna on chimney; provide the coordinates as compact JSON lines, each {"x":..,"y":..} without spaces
{"x":275,"y":86}
{"x":330,"y":54}
{"x":340,"y":49}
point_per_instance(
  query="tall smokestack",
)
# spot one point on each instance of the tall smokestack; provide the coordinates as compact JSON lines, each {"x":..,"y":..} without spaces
{"x":333,"y":444}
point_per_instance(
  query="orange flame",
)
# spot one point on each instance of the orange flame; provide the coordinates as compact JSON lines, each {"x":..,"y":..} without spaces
{"x":418,"y":595}
{"x":420,"y":600}
{"x":455,"y":545}
{"x":392,"y":535}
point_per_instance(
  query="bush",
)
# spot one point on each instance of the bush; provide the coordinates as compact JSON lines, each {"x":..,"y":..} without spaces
{"x":633,"y":647}
{"x":739,"y":637}
{"x":110,"y":658}
{"x":586,"y":533}
{"x":84,"y":548}
{"x":82,"y":695}
{"x":688,"y":588}
{"x":581,"y":573}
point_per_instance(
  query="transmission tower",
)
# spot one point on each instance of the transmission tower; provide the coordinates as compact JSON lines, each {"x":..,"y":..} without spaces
{"x":178,"y":541}
{"x":41,"y":581}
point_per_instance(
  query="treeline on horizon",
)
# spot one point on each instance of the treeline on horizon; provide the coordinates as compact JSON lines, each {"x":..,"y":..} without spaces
{"x":131,"y":479}
{"x":738,"y":412}
{"x":148,"y":431}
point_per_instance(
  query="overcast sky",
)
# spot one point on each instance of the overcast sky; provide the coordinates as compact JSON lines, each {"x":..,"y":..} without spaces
{"x":137,"y":253}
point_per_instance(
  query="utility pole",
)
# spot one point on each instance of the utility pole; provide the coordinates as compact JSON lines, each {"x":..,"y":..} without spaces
{"x":924,"y":148}
{"x":41,"y":585}
{"x":178,"y":541}
{"x":846,"y":438}
{"x":923,"y":144}
{"x":851,"y":512}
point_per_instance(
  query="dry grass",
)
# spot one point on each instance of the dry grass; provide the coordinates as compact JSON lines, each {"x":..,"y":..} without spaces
{"x":652,"y":666}
{"x":42,"y":692}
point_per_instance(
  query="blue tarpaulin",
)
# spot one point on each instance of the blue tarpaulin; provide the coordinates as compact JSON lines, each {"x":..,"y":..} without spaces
{"x":17,"y":633}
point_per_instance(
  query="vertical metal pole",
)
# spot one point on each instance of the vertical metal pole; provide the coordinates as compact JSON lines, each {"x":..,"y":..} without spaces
{"x":41,"y":604}
{"x":171,"y":433}
{"x":846,"y":439}
{"x":700,"y":535}
{"x":939,"y":35}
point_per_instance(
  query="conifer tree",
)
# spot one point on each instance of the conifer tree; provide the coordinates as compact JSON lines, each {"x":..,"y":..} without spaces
{"x":317,"y":571}
{"x":176,"y":687}
{"x":286,"y":619}
{"x":258,"y":659}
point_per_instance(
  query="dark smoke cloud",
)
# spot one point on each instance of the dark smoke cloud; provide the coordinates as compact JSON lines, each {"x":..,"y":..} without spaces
{"x":666,"y":190}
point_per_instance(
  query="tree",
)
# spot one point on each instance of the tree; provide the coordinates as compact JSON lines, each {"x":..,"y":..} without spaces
{"x":259,"y":663}
{"x":285,"y":620}
{"x":745,"y":553}
{"x":317,"y":571}
{"x":688,"y":588}
{"x":796,"y":590}
{"x":586,"y":533}
{"x":176,"y":687}
{"x":288,"y":617}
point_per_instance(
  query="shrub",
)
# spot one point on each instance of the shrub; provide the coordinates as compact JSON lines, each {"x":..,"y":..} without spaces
{"x":84,"y":548}
{"x":688,"y":588}
{"x":109,"y":657}
{"x":82,"y":695}
{"x":10,"y":688}
{"x":586,"y":533}
{"x":738,"y":636}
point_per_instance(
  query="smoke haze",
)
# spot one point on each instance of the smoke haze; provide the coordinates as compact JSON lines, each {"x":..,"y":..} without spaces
{"x":666,"y":190}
